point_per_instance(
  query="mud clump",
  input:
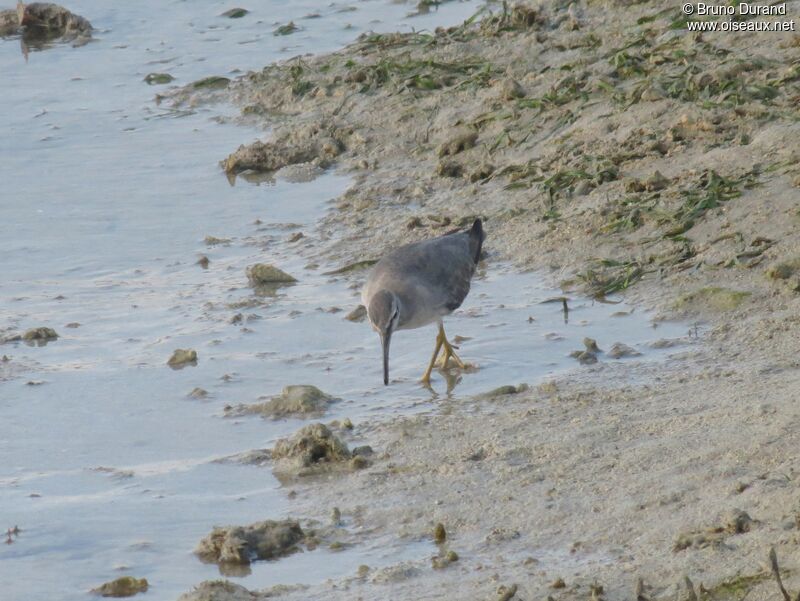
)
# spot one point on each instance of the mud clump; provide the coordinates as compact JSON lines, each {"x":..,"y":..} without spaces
{"x":449,"y":169}
{"x":298,"y":400}
{"x":9,"y":22}
{"x":783,"y":270}
{"x":462,"y":141}
{"x":39,"y":336}
{"x":619,"y":350}
{"x":126,"y":586}
{"x":510,"y":89}
{"x":586,"y":357}
{"x":317,"y":142}
{"x":358,"y":314}
{"x":441,"y":561}
{"x":591,"y":345}
{"x":263,"y":274}
{"x":41,"y":22}
{"x":314,"y":449}
{"x":218,"y":590}
{"x":182,"y":357}
{"x":734,"y":522}
{"x":239,"y":545}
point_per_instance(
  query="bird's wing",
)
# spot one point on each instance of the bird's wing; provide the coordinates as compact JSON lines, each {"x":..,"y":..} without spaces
{"x":443,"y":267}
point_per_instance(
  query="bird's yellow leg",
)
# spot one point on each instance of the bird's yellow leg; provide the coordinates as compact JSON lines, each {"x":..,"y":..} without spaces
{"x":448,"y":351}
{"x":426,"y":377}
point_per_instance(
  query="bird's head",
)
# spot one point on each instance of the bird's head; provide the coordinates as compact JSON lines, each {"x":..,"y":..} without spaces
{"x":384,"y":315}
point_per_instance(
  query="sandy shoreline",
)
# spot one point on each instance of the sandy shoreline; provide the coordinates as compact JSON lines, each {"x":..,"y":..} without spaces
{"x":615,"y":152}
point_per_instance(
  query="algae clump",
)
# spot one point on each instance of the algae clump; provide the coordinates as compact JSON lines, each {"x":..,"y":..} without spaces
{"x":712,"y":298}
{"x":155,"y":79}
{"x":215,"y":82}
{"x":39,"y":335}
{"x":182,"y":357}
{"x":312,"y":450}
{"x":126,"y":586}
{"x":235,"y":13}
{"x":262,"y":274}
{"x":269,"y":539}
{"x":299,"y":400}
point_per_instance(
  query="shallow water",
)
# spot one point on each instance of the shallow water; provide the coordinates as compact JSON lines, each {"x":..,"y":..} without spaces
{"x":106,"y":464}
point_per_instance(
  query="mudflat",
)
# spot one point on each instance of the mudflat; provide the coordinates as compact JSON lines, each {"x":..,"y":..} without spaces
{"x":615,"y":151}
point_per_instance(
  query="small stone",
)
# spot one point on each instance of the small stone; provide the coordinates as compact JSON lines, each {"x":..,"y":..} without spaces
{"x":198,"y":393}
{"x":558,"y":583}
{"x":204,"y":261}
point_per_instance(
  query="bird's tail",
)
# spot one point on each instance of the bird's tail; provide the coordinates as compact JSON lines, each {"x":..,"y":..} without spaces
{"x":476,"y":238}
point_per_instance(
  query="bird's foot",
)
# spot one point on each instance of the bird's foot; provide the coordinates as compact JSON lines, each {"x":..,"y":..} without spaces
{"x":447,"y":354}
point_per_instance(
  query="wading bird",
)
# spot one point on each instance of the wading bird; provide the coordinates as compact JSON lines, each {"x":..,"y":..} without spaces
{"x":420,"y":283}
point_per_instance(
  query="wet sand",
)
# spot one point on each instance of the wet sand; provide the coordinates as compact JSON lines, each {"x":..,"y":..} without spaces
{"x":616,"y":153}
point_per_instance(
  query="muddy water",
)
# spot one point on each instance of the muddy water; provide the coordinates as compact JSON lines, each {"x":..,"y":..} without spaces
{"x":106,"y":464}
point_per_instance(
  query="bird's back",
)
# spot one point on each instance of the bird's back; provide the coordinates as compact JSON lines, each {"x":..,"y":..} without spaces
{"x":431,"y":278}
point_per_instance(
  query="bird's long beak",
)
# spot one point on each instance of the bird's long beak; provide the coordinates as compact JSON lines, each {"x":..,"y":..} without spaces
{"x":386,"y":338}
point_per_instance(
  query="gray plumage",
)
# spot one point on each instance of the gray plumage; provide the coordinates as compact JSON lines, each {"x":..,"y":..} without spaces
{"x":420,"y":283}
